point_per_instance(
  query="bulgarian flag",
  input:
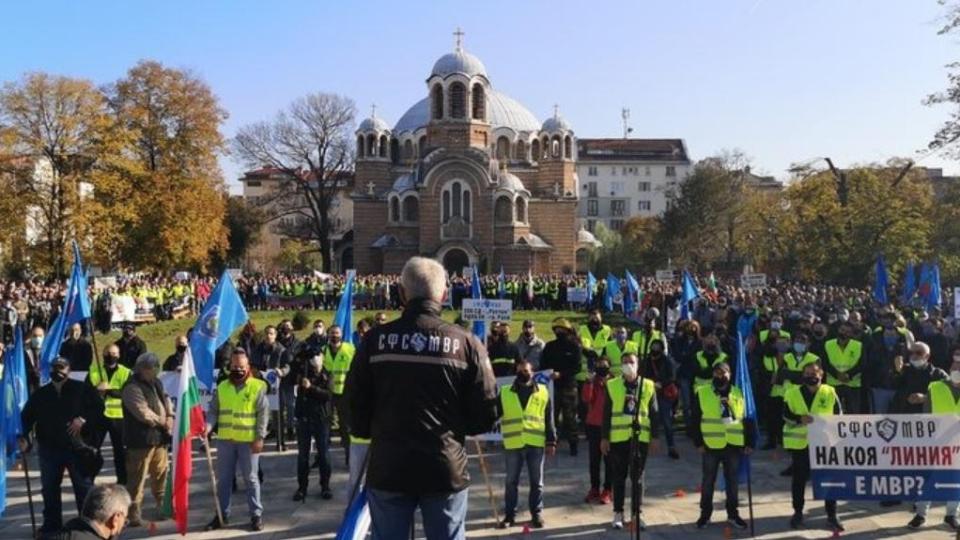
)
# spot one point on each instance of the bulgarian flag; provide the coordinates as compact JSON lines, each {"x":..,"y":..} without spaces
{"x":712,"y":286}
{"x":189,"y":423}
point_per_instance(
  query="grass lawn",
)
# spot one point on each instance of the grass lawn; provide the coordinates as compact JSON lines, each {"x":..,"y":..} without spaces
{"x":160,"y":336}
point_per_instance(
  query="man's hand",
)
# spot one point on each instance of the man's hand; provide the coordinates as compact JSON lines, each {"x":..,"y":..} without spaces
{"x":917,"y":398}
{"x":551,"y":450}
{"x":657,"y":385}
{"x":305,"y":383}
{"x":604,"y":446}
{"x":898,"y":363}
{"x":806,"y":419}
{"x":74,"y":427}
{"x":102,"y":387}
{"x":256,"y":446}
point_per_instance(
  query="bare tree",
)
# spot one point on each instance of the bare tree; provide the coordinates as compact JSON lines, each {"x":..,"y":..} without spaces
{"x":310,"y":143}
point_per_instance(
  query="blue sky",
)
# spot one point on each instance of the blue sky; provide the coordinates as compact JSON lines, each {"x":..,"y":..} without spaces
{"x":783,"y":81}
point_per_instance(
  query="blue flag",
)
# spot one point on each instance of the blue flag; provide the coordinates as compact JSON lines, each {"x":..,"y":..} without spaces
{"x":75,"y":309}
{"x":501,"y":285}
{"x":591,"y":286}
{"x":631,"y":302}
{"x":612,"y":291}
{"x":744,"y":384}
{"x":909,"y":283}
{"x":344,"y":315}
{"x":221,"y":315}
{"x":935,"y":293}
{"x":687,"y":293}
{"x":13,"y":396}
{"x":929,"y":289}
{"x":880,"y":282}
{"x":356,"y":523}
{"x":479,"y":327}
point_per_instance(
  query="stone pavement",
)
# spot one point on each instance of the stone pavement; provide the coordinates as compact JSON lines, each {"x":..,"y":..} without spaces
{"x":669,"y":513}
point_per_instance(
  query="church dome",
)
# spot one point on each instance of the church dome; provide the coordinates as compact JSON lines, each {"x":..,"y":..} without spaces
{"x":373,"y":123}
{"x":511,"y":182}
{"x":585,"y":237}
{"x":460,"y":62}
{"x":554,"y":124}
{"x":502,"y":111}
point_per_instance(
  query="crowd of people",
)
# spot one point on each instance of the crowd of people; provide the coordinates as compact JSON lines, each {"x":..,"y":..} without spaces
{"x":811,"y":350}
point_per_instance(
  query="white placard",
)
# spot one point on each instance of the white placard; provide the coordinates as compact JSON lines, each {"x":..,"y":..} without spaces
{"x":108,"y":282}
{"x":235,"y":273}
{"x":753,"y":281}
{"x":577,"y":295}
{"x":665,"y":276}
{"x":486,"y":309}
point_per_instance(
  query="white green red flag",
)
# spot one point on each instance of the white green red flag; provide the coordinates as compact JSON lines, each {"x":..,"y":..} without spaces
{"x":189,"y":423}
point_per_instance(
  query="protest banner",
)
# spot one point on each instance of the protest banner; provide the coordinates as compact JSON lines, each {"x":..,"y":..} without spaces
{"x":753,"y":282}
{"x":577,"y":295}
{"x":910,"y":457}
{"x":666,"y":276}
{"x":486,"y":309}
{"x":541,"y":377}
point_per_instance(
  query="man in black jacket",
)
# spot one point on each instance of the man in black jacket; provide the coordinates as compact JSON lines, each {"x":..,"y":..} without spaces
{"x":562,"y":355}
{"x":417,"y":387}
{"x":77,"y":349}
{"x":131,"y":346}
{"x":68,"y":417}
{"x":313,"y":413}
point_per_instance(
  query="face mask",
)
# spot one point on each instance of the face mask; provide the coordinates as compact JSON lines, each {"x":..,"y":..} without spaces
{"x":318,"y":331}
{"x":917,"y":362}
{"x":629,"y":370}
{"x":955,"y":376}
{"x":181,"y":348}
{"x":111,"y":360}
{"x":36,"y":342}
{"x":237,"y":375}
{"x":656,"y":352}
{"x":594,"y":325}
{"x":720,"y":382}
{"x":799,"y":348}
{"x":812,"y":380}
{"x":523,"y":377}
{"x":621,"y":340}
{"x":603,"y":371}
{"x":776,"y":325}
{"x":58,"y":376}
{"x":711,"y":349}
{"x":316,"y":362}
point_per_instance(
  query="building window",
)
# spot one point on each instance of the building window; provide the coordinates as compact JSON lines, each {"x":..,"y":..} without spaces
{"x":360,"y":152}
{"x":535,"y":150}
{"x":592,"y":189}
{"x":616,"y":224}
{"x":371,"y":145}
{"x":422,"y":145}
{"x":436,"y":101}
{"x":643,"y":206}
{"x":521,"y":151}
{"x":456,"y":202}
{"x":521,"y":210}
{"x":479,"y":103}
{"x":503,"y":210}
{"x":458,"y":100}
{"x":253,"y":183}
{"x":411,"y":209}
{"x":618,"y":207}
{"x":643,"y":186}
{"x":394,"y":209}
{"x":503,"y":148}
{"x":568,"y":147}
{"x":671,"y":170}
{"x":383,"y":146}
{"x":591,"y":171}
{"x":617,"y":188}
{"x":408,"y":150}
{"x":593,"y":207}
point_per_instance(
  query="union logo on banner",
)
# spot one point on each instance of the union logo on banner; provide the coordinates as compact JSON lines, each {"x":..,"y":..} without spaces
{"x":209,"y":326}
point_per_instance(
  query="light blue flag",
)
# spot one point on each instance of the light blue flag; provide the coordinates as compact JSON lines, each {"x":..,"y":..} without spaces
{"x":612,"y":291}
{"x":13,"y":396}
{"x":356,"y":523}
{"x":745,"y":385}
{"x":501,"y":285}
{"x":909,"y":283}
{"x":591,"y":286}
{"x":221,"y":315}
{"x":479,"y":327}
{"x":344,"y":316}
{"x":936,"y":296}
{"x":75,"y":309}
{"x":688,"y":293}
{"x":880,"y":281}
{"x":631,"y":301}
{"x":929,"y":289}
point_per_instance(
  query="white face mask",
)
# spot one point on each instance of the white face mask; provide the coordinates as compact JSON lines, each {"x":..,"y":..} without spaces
{"x":955,"y":376}
{"x":918,"y":363}
{"x":629,"y":370}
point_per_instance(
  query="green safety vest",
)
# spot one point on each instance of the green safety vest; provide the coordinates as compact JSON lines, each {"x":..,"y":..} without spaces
{"x":704,"y":363}
{"x":620,"y":422}
{"x":339,"y":365}
{"x":614,"y":354}
{"x":941,"y":399}
{"x":238,"y":410}
{"x":595,"y":343}
{"x":843,"y":360}
{"x":770,"y":362}
{"x":524,"y":427}
{"x":113,"y":407}
{"x":643,"y":345}
{"x":791,"y":363}
{"x":718,"y":432}
{"x":795,"y":433}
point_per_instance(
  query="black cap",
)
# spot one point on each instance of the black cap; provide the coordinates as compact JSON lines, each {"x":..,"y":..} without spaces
{"x":60,"y":360}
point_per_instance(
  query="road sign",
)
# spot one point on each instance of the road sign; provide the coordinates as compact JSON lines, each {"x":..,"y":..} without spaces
{"x":753,"y":281}
{"x":664,"y":276}
{"x":486,"y":309}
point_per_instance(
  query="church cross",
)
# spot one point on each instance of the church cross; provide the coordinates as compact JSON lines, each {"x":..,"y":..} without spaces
{"x":373,"y":110}
{"x":370,"y":186}
{"x":458,"y":35}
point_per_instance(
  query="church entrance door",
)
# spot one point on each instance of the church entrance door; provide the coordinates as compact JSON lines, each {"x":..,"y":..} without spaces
{"x":454,"y":260}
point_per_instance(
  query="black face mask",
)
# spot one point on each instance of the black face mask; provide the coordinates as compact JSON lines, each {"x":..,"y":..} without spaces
{"x":812,"y":380}
{"x":111,"y":360}
{"x":594,"y":325}
{"x":603,"y":371}
{"x":237,"y":375}
{"x":720,"y":382}
{"x":711,"y":349}
{"x":523,"y":378}
{"x":58,"y":376}
{"x":181,"y":349}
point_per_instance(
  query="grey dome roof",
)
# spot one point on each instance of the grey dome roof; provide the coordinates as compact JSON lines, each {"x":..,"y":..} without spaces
{"x":373,"y":123}
{"x":586,"y":237}
{"x":405,"y":182}
{"x":511,"y":182}
{"x":502,"y":111}
{"x":458,"y":61}
{"x":555,"y":123}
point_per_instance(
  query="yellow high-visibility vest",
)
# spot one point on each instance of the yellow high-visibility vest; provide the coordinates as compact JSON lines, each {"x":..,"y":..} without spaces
{"x":843,"y":360}
{"x":237,"y":421}
{"x":524,"y":426}
{"x":643,"y":344}
{"x":792,"y":364}
{"x":718,"y":432}
{"x":339,"y":365}
{"x":595,"y":343}
{"x":621,"y":423}
{"x":113,"y":407}
{"x":704,"y":363}
{"x":941,"y":398}
{"x":615,"y":355}
{"x":795,"y":433}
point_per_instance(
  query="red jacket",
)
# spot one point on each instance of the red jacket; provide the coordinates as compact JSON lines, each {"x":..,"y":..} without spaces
{"x":595,"y":396}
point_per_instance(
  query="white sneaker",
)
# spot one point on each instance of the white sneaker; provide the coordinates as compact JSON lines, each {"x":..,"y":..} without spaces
{"x":617,"y":520}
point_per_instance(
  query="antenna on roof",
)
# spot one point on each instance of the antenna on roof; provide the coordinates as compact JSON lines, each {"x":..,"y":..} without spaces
{"x":625,"y":115}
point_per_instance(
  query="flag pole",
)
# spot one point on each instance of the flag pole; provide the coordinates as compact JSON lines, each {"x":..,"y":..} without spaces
{"x":486,"y":480}
{"x":753,"y":533}
{"x":213,"y":478}
{"x":26,"y":476}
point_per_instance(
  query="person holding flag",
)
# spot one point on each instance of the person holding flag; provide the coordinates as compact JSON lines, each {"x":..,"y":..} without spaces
{"x":14,"y":394}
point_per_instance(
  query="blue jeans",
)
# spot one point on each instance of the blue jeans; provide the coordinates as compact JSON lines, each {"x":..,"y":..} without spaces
{"x":533,"y":457}
{"x":391,"y":515}
{"x":231,"y":456}
{"x":665,"y":417}
{"x":52,"y":463}
{"x":881,"y":399}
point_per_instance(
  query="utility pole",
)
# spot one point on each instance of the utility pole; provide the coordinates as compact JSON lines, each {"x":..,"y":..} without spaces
{"x":625,"y":116}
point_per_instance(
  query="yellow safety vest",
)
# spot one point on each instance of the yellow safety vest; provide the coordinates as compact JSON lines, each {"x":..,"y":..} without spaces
{"x":792,"y":364}
{"x":843,"y":360}
{"x":339,"y":365}
{"x":594,"y":343}
{"x":524,"y":426}
{"x":704,"y":363}
{"x":640,"y":339}
{"x":941,"y":399}
{"x":237,"y":421}
{"x":795,"y":433}
{"x":615,"y":355}
{"x":112,"y":406}
{"x":719,"y":432}
{"x":621,"y":422}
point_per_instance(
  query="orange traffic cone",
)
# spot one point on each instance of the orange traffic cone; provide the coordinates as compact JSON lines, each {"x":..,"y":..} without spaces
{"x":526,"y":529}
{"x":152,"y":528}
{"x":680,"y":493}
{"x":727,"y":532}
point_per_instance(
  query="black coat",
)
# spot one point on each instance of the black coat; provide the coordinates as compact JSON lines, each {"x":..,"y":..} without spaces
{"x":130,"y":350}
{"x":79,"y":352}
{"x":562,"y":356}
{"x":50,"y":411}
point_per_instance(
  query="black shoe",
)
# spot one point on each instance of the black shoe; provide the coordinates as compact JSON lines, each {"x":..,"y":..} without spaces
{"x":951,"y":522}
{"x":506,"y":522}
{"x":917,"y":522}
{"x":835,"y":524}
{"x":215,"y":524}
{"x":256,"y":523}
{"x":326,"y":494}
{"x":736,"y":522}
{"x":703,"y":521}
{"x":787,"y":472}
{"x":537,"y":521}
{"x":299,"y":495}
{"x":673,"y":453}
{"x":796,"y":522}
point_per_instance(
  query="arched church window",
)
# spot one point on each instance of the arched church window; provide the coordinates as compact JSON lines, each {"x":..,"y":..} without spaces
{"x":466,"y":205}
{"x":394,"y":150}
{"x":371,"y":145}
{"x":458,"y":100}
{"x":422,"y":145}
{"x":521,"y":210}
{"x":456,"y":202}
{"x":503,"y":148}
{"x":411,"y":209}
{"x":457,"y":193}
{"x":436,"y":100}
{"x":479,"y":102}
{"x":446,"y":206}
{"x":521,"y":151}
{"x":408,"y":150}
{"x":568,"y":147}
{"x":360,"y":153}
{"x":383,"y":146}
{"x":555,"y":146}
{"x":535,"y":150}
{"x":394,"y":209}
{"x":503,"y":210}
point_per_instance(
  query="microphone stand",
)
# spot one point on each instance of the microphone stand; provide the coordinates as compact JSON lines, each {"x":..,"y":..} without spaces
{"x":634,"y":468}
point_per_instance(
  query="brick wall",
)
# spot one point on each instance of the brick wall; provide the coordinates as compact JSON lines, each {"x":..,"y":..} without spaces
{"x":555,"y":222}
{"x":369,"y":222}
